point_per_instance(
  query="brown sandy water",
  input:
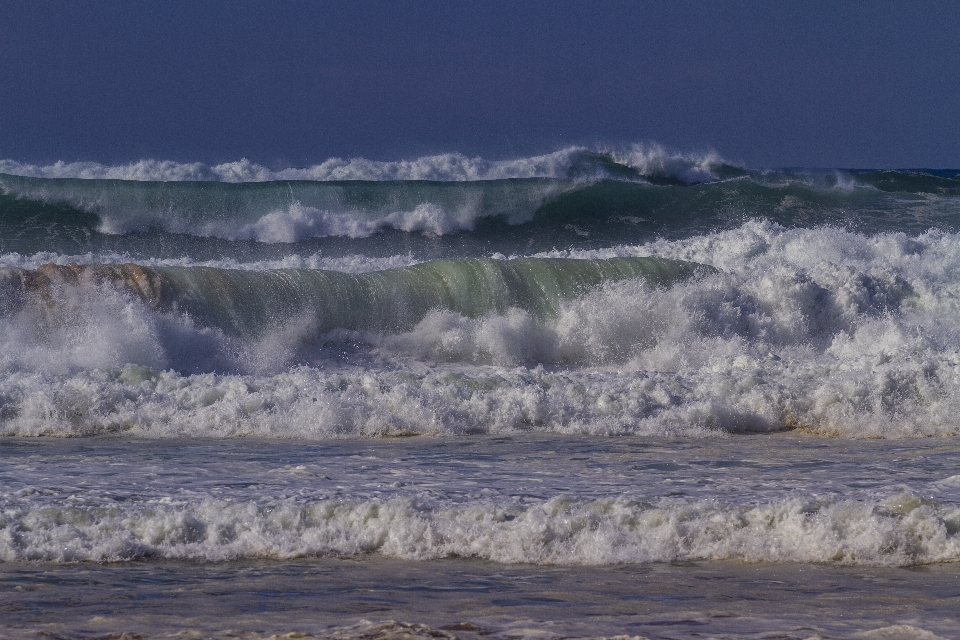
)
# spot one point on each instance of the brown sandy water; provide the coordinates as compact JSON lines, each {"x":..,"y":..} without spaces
{"x":379,"y":598}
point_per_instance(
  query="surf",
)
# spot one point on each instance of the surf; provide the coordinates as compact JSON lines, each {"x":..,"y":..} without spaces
{"x":219,"y":217}
{"x":249,"y":302}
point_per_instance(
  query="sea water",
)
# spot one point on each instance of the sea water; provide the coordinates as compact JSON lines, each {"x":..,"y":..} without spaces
{"x":591,"y":393}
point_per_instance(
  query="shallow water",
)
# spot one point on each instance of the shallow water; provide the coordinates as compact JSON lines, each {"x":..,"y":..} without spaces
{"x":535,"y":498}
{"x":375,"y":597}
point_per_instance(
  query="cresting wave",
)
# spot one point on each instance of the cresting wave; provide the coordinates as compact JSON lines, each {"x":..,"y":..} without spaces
{"x":278,"y":212}
{"x":816,"y":329}
{"x":903,"y":529}
{"x":250,"y":302}
{"x":39,"y":212}
{"x":633,"y":162}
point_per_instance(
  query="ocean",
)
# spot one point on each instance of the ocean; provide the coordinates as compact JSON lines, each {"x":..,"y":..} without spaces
{"x":592,"y":393}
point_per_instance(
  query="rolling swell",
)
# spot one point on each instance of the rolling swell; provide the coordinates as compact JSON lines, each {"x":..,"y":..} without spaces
{"x":648,"y":161}
{"x":444,"y":218}
{"x":288,"y":211}
{"x":250,"y":302}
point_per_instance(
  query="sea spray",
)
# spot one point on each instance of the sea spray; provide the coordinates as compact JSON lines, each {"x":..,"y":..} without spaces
{"x":821,"y":330}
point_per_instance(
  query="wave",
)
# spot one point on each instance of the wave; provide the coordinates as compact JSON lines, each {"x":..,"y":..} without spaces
{"x":350,"y":263}
{"x":821,"y":330}
{"x":900,"y":530}
{"x":274,"y":212}
{"x":43,"y":213}
{"x":249,"y":302}
{"x":574,"y":162}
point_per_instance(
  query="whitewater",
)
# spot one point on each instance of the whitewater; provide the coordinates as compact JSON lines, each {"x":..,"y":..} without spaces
{"x":458,"y":369}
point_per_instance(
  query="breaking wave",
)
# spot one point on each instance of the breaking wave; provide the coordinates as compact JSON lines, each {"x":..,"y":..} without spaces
{"x":574,"y":162}
{"x":901,"y":530}
{"x":822,"y":330}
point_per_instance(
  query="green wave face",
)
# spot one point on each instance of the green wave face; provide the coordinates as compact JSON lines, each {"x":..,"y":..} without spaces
{"x":433,"y":219}
{"x":251,"y":302}
{"x":217,"y":209}
{"x":58,"y":210}
{"x":396,"y":299}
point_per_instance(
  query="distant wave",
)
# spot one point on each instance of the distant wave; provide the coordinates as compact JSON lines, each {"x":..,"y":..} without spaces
{"x":635,"y":161}
{"x":39,"y":211}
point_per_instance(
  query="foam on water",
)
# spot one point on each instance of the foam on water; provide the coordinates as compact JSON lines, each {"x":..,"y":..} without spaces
{"x":299,"y":222}
{"x":522,"y":499}
{"x":355,"y":263}
{"x":823,"y":330}
{"x":901,"y":530}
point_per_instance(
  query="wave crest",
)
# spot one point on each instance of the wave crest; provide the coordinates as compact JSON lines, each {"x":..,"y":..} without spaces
{"x":638,"y":160}
{"x":903,"y":530}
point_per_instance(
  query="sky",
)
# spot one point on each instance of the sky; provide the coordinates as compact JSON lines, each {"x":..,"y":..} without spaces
{"x":291,"y":83}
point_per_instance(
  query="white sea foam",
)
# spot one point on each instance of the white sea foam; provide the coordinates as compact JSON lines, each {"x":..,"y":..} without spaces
{"x":299,"y":222}
{"x":354,"y":263}
{"x":654,"y":159}
{"x":901,"y":530}
{"x":645,"y":159}
{"x":822,"y":329}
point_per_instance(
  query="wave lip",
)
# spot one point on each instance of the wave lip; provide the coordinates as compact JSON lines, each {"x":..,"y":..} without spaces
{"x":601,"y":201}
{"x":633,"y":162}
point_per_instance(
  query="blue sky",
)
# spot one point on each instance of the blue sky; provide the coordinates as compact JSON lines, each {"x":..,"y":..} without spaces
{"x":767,"y":84}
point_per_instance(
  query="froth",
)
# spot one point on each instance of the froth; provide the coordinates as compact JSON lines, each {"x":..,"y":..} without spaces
{"x":354,"y":263}
{"x":901,"y":530}
{"x":822,"y":330}
{"x":299,"y":222}
{"x":655,"y":160}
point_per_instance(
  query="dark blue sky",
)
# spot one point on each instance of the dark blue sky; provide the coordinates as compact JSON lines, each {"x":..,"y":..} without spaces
{"x":848,"y":84}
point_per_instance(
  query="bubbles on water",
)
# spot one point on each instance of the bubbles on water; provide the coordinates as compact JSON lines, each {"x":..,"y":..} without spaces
{"x":905,"y":530}
{"x":823,"y":330}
